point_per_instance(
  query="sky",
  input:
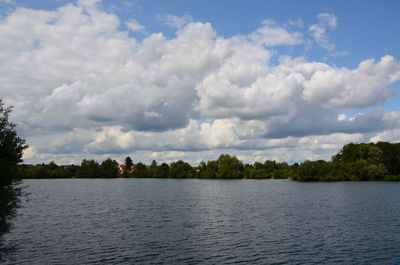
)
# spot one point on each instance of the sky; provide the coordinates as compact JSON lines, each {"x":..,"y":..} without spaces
{"x":170,"y":80}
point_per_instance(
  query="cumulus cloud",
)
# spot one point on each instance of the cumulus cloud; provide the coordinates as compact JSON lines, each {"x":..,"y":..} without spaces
{"x":195,"y":136}
{"x":88,"y":87}
{"x":361,"y":87}
{"x":294,"y":89}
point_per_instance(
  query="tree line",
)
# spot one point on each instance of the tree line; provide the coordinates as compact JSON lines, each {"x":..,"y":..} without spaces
{"x":362,"y":161}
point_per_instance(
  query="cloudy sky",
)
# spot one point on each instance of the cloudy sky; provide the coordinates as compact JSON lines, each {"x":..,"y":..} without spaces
{"x":168,"y":80}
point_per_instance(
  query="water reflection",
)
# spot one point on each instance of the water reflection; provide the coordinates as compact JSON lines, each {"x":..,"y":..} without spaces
{"x":10,"y":196}
{"x":164,"y":221}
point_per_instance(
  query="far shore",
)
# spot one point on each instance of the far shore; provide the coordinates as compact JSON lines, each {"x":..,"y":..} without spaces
{"x":355,"y":162}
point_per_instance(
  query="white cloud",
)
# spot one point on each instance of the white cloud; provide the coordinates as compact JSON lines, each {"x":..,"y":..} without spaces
{"x":271,"y":34}
{"x":89,"y":3}
{"x":361,"y":87}
{"x":386,"y":136}
{"x":29,"y":153}
{"x":319,"y":32}
{"x":175,"y":22}
{"x":295,"y":23}
{"x":88,"y":88}
{"x":9,"y":2}
{"x":134,"y":25}
{"x":195,"y":136}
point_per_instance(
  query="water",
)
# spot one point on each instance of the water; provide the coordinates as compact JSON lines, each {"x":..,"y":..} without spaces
{"x":167,"y":221}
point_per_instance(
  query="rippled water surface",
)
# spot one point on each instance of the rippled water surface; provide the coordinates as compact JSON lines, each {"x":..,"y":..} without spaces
{"x":166,"y":221}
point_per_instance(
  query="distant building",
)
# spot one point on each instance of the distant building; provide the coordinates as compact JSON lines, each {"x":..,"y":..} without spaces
{"x":123,"y":168}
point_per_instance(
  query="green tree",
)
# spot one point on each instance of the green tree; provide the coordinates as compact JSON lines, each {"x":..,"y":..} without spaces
{"x":151,"y":171}
{"x":352,"y":152}
{"x":391,"y":156}
{"x":375,"y":155}
{"x":161,"y":171}
{"x":181,"y":169}
{"x":140,"y":170}
{"x":375,"y":171}
{"x":307,"y":171}
{"x":314,"y":171}
{"x":11,"y":151}
{"x":109,"y":168}
{"x":229,"y":167}
{"x":88,"y":169}
{"x":209,"y":170}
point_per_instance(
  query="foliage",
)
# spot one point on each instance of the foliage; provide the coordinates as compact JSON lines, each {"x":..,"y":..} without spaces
{"x":354,"y":162}
{"x":208,"y":171}
{"x":269,"y":169}
{"x":11,"y":148}
{"x":321,"y":171}
{"x":390,"y":156}
{"x":161,"y":171}
{"x":50,"y":171}
{"x":155,"y":171}
{"x":88,"y":169}
{"x":109,"y":169}
{"x":11,"y":151}
{"x":128,"y":163}
{"x":140,"y":170}
{"x":181,"y":169}
{"x":392,"y":178}
{"x":229,"y":167}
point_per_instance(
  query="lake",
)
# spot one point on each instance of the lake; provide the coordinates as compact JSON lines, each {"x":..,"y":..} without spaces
{"x":192,"y":221}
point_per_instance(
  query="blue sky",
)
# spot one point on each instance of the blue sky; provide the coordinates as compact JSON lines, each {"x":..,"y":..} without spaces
{"x":366,"y":29}
{"x":258,"y":79}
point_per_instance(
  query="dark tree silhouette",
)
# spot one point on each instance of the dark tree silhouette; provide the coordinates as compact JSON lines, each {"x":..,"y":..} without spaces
{"x":11,"y":150}
{"x":128,"y":163}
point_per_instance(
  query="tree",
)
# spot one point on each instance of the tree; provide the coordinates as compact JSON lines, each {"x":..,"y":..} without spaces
{"x":181,"y":169}
{"x":375,"y":171}
{"x":375,"y":155}
{"x":391,"y":156}
{"x":229,"y":167}
{"x":140,"y":170}
{"x":315,"y":171}
{"x":128,"y":163}
{"x":161,"y":171}
{"x":11,"y":151}
{"x":211,"y":170}
{"x":151,"y":171}
{"x":207,"y":170}
{"x":88,"y":169}
{"x":109,"y":168}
